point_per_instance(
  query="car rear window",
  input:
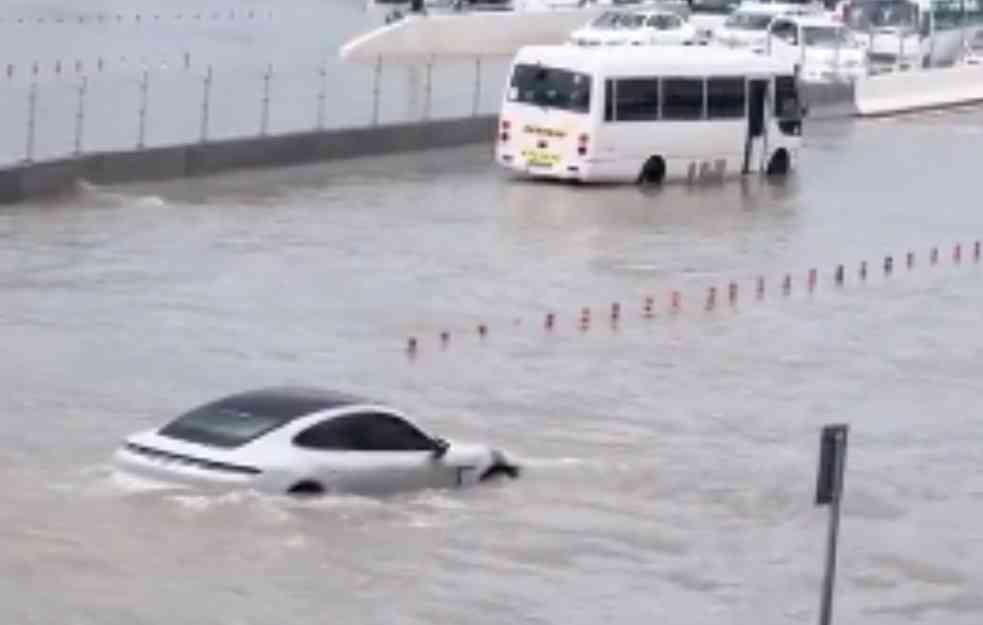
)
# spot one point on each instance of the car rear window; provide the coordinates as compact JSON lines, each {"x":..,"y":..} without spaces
{"x":221,"y":425}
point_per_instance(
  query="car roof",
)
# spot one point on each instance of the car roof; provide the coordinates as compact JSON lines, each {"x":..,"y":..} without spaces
{"x":289,"y":402}
{"x":641,"y":12}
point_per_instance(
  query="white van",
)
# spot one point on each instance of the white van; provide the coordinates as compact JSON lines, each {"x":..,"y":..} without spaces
{"x":633,"y":115}
{"x":824,"y":49}
{"x":747,"y":27}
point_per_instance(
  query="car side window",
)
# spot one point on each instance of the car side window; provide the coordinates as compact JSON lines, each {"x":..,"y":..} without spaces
{"x":339,"y":433}
{"x":787,"y":31}
{"x":387,"y":432}
{"x":367,"y":431}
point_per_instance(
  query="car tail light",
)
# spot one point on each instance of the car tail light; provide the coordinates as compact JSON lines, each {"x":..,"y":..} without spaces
{"x":506,"y":125}
{"x":582,"y":142}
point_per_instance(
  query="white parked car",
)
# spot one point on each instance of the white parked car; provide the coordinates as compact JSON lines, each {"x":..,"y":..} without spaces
{"x":823,"y":49}
{"x":304,"y":441}
{"x":636,"y":28}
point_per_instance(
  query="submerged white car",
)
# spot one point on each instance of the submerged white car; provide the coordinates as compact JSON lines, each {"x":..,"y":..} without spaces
{"x":635,"y":28}
{"x":305,"y":441}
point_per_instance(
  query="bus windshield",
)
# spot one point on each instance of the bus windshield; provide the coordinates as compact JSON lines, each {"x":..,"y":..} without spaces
{"x":550,"y":88}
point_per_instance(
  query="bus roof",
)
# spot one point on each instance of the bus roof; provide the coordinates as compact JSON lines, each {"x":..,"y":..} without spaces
{"x":653,"y":60}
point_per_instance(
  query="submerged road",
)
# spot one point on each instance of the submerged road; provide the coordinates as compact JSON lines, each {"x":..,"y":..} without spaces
{"x":671,"y":463}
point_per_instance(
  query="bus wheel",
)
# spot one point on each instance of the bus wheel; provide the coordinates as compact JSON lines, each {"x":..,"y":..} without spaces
{"x":779,"y":163}
{"x":653,"y":171}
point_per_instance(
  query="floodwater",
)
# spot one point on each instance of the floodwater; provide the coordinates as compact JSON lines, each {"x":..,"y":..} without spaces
{"x":670,"y":461}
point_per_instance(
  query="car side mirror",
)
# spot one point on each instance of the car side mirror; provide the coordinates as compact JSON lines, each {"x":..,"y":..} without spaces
{"x":440,"y":447}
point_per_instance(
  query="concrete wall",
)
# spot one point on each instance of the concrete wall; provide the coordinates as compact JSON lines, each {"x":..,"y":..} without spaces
{"x":914,"y":90}
{"x":34,"y":179}
{"x":44,"y":178}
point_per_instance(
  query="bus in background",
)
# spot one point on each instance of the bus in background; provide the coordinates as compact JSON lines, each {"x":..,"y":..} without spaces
{"x":628,"y":115}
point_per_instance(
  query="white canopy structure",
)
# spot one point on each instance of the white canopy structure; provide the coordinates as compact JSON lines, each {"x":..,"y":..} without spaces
{"x":417,"y":38}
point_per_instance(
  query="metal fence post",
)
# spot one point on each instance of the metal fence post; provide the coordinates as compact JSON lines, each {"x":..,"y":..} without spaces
{"x":144,"y":87}
{"x":80,"y":114}
{"x":428,"y":90}
{"x":321,"y":97}
{"x":476,"y":105}
{"x":205,"y":104}
{"x":32,"y":110}
{"x":265,"y":121}
{"x":376,"y":86}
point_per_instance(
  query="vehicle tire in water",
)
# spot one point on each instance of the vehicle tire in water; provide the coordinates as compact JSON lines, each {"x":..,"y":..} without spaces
{"x":307,"y":488}
{"x":778,"y":165}
{"x":500,"y":470}
{"x":653,"y":171}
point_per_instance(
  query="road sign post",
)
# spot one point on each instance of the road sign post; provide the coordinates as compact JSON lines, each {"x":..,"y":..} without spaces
{"x":829,"y":489}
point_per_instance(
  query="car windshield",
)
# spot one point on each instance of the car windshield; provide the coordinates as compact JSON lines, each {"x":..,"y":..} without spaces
{"x":715,"y":6}
{"x":550,"y":88}
{"x":748,"y":21}
{"x":221,"y":425}
{"x":825,"y":36}
{"x":663,"y":22}
{"x":631,"y":21}
{"x":608,"y":19}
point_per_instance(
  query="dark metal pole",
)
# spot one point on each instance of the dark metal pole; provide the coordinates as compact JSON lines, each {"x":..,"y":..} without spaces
{"x":839,"y":462}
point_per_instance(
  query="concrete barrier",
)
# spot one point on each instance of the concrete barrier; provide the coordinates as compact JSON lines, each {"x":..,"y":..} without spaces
{"x":915,"y":90}
{"x":44,"y":178}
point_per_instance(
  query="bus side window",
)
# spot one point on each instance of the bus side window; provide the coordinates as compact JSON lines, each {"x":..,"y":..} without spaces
{"x":726,"y":97}
{"x":682,"y":98}
{"x":636,"y":99}
{"x":608,"y":100}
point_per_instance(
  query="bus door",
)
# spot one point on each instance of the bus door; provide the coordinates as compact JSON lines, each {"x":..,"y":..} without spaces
{"x":757,"y":106}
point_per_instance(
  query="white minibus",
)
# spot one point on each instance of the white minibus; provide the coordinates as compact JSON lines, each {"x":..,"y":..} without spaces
{"x":648,"y":114}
